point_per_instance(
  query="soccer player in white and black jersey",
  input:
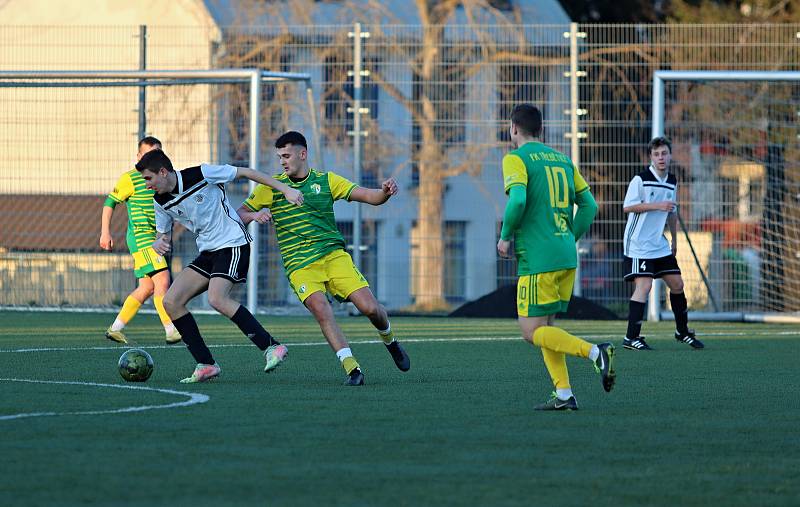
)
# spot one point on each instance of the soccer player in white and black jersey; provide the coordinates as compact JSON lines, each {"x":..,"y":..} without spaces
{"x":196,"y":198}
{"x":651,"y":204}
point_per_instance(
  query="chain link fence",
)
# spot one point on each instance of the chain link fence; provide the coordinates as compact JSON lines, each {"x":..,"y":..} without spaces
{"x":434,"y":103}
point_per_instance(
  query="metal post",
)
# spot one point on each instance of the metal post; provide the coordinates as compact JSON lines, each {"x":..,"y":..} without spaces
{"x":315,"y":127}
{"x":142,"y":89}
{"x":573,"y":129}
{"x":357,"y":68}
{"x":574,"y":112}
{"x":657,"y":129}
{"x":255,"y":114}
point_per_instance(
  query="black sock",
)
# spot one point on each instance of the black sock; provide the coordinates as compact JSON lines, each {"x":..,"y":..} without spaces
{"x":187,"y":327}
{"x":681,"y":311}
{"x":252,"y":328}
{"x":635,"y":318}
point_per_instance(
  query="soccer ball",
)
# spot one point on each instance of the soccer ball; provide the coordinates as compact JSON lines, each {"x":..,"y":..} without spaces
{"x":135,"y":365}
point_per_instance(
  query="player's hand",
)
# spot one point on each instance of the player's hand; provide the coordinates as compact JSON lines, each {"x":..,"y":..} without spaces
{"x":668,"y":206}
{"x":161,"y":246}
{"x":389,"y":187}
{"x":106,"y":242}
{"x":263,"y":216}
{"x":294,"y":196}
{"x":503,"y":248}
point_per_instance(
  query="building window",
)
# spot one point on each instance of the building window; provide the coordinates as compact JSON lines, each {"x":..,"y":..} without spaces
{"x":447,"y":92}
{"x":502,"y":5}
{"x":275,"y":98}
{"x":455,"y":261}
{"x":337,"y":96}
{"x":518,"y":84}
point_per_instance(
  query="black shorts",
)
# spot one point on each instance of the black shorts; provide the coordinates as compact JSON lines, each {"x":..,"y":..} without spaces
{"x":650,"y":268}
{"x":230,"y":263}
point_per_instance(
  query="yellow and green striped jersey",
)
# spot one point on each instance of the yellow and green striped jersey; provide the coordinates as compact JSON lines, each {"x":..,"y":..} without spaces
{"x":544,"y":241}
{"x":131,"y":190}
{"x":308,"y":232}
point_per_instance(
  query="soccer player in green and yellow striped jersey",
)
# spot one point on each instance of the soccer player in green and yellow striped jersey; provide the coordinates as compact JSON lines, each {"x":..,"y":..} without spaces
{"x":543,"y":186}
{"x":149,"y":267}
{"x":313,"y":249}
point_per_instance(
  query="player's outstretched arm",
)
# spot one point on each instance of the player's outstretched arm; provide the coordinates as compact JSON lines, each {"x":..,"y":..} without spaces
{"x":667,"y":206}
{"x":375,"y":196}
{"x":292,"y":195}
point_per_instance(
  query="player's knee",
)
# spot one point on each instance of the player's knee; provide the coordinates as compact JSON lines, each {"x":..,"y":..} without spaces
{"x":319,"y":308}
{"x":371,"y":309}
{"x":644,"y":284}
{"x":218,"y":302}
{"x":676,"y":286}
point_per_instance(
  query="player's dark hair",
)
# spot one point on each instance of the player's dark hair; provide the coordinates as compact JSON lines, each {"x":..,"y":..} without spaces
{"x":291,"y":137}
{"x":149,"y":141}
{"x":153,"y":161}
{"x":527,"y":118}
{"x":658,"y":142}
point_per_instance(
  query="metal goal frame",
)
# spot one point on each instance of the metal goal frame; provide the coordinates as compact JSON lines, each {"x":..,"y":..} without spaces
{"x":660,"y":77}
{"x":142,"y":78}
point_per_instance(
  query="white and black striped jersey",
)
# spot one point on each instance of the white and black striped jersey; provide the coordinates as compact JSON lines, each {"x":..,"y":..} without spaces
{"x":200,"y":204}
{"x":644,"y":233}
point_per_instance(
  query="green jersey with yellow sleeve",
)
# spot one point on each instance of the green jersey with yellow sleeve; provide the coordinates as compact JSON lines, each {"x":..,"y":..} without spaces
{"x":305,"y":233}
{"x":131,"y":190}
{"x":544,"y":240}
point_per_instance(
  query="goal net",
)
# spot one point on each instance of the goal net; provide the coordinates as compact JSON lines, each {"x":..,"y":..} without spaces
{"x":67,"y":136}
{"x":735,"y":150}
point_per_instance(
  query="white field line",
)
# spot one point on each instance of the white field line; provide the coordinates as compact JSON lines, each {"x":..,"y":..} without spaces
{"x":194,"y":399}
{"x":322,"y":342}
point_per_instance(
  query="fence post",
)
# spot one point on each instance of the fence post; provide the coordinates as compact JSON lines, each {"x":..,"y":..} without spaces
{"x":357,"y":72}
{"x":574,"y":112}
{"x":255,"y":126}
{"x":142,"y":89}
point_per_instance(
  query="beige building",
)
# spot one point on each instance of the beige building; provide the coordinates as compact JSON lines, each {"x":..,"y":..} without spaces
{"x":44,"y":131}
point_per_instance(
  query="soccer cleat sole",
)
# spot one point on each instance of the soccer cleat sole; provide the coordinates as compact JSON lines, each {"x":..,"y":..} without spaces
{"x":192,"y":380}
{"x":116,"y":338}
{"x":556,"y":405}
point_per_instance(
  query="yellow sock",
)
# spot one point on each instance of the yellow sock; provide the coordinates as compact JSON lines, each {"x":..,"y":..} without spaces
{"x":387,"y":337}
{"x":349,"y":364}
{"x":129,"y":309}
{"x":557,"y":368}
{"x":158,"y":302}
{"x":558,"y":340}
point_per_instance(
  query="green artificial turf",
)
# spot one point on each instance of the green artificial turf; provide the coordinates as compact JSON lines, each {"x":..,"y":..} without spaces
{"x":682,"y":427}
